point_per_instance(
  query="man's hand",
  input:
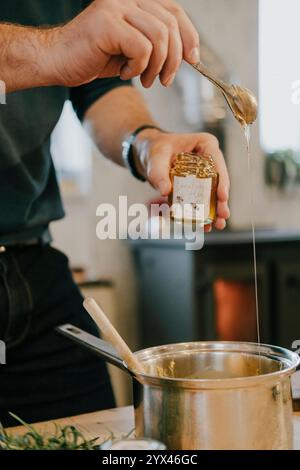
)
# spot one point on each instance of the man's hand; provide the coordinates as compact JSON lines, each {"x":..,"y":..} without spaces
{"x":127,"y":38}
{"x":109,"y":38}
{"x":117,"y":114}
{"x":157,"y":150}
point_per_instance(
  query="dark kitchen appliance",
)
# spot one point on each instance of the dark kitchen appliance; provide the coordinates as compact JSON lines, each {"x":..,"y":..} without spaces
{"x":183,"y":294}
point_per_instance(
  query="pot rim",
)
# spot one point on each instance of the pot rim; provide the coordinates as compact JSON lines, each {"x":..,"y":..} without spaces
{"x":290,"y":359}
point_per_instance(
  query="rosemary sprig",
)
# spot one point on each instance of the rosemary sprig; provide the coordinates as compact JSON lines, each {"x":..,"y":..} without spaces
{"x":64,"y":438}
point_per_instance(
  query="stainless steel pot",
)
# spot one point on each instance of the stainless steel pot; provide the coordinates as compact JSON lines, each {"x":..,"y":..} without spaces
{"x":242,"y":400}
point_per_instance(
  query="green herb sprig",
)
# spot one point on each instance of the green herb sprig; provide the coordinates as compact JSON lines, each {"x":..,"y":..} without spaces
{"x":64,"y":438}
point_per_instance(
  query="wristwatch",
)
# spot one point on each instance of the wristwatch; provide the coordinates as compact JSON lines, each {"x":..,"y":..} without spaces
{"x":128,"y":151}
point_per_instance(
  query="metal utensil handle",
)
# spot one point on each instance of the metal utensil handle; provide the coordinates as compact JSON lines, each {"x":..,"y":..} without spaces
{"x":94,"y":344}
{"x":225,"y":87}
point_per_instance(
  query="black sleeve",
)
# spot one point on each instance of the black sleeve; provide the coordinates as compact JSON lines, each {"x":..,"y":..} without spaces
{"x":84,"y":96}
{"x":86,"y":3}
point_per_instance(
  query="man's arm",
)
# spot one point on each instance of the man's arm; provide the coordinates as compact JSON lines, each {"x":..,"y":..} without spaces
{"x":23,"y":57}
{"x":115,"y":116}
{"x":109,"y":38}
{"x":120,"y":112}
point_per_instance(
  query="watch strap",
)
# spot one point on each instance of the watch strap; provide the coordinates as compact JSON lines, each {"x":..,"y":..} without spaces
{"x":128,"y":151}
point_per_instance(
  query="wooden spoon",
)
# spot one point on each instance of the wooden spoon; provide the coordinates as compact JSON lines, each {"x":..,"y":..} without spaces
{"x":112,"y":336}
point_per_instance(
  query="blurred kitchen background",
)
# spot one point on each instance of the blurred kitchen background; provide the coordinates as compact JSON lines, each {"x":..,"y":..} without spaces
{"x":156,"y":292}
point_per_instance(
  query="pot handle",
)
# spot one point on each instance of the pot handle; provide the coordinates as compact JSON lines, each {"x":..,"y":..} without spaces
{"x":96,"y":345}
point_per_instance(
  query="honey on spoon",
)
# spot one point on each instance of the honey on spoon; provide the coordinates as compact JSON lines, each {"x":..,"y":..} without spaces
{"x":241,"y":101}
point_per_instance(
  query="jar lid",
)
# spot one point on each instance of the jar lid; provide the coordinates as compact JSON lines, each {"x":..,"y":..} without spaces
{"x":203,"y":163}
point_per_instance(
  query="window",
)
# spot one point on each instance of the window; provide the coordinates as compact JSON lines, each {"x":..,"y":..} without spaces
{"x":71,"y":150}
{"x":279,"y":43}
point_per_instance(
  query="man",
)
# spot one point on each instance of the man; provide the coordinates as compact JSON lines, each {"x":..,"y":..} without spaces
{"x":51,"y":51}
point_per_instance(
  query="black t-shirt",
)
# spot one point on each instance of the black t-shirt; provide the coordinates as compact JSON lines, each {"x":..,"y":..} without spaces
{"x":29,"y":193}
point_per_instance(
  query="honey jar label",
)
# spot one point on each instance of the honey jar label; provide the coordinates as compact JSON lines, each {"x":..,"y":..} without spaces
{"x":191,"y":197}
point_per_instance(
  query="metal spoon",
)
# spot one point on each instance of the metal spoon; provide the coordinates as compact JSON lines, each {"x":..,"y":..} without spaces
{"x":241,"y":101}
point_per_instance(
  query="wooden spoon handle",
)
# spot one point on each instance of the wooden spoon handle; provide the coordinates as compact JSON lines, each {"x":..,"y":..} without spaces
{"x":112,"y":336}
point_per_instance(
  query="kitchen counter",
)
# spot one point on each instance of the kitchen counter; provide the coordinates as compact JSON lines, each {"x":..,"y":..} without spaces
{"x":227,"y":237}
{"x":119,"y":421}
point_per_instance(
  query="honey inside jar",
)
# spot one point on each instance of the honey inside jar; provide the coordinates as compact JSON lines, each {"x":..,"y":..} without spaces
{"x":194,"y":189}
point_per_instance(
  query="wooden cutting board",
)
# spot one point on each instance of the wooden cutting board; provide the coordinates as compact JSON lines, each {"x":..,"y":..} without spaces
{"x":118,"y":422}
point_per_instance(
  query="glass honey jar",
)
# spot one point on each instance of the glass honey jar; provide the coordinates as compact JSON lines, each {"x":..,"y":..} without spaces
{"x":194,"y":189}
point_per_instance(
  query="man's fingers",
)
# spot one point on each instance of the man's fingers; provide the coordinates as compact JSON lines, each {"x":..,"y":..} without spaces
{"x":158,"y":168}
{"x":160,"y":158}
{"x":155,"y":37}
{"x":135,"y":47}
{"x":223,"y":210}
{"x":174,"y":58}
{"x":220,"y":224}
{"x":175,"y":52}
{"x":113,"y":67}
{"x":188,"y":32}
{"x":208,"y":144}
{"x":157,"y":33}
